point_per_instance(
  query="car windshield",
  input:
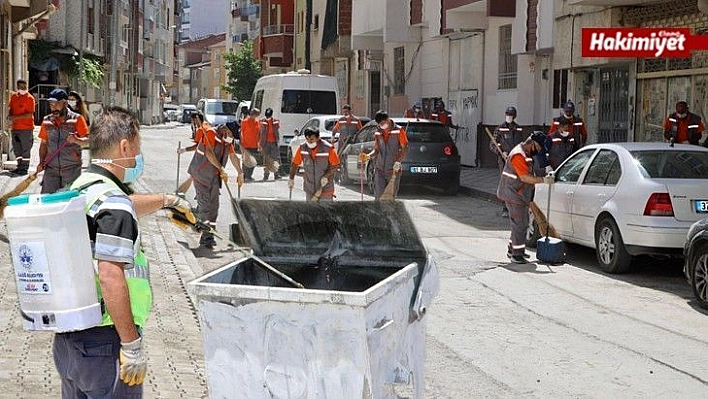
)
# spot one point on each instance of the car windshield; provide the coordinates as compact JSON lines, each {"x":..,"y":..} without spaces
{"x":427,"y":133}
{"x":221,"y":108}
{"x":309,"y":102}
{"x":661,"y":164}
{"x":329,"y":124}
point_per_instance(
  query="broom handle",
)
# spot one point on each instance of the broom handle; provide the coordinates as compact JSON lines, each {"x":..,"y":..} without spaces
{"x":51,"y":156}
{"x":548,"y":211}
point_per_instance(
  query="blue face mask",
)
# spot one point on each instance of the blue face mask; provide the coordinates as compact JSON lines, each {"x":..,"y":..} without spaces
{"x":132,"y":174}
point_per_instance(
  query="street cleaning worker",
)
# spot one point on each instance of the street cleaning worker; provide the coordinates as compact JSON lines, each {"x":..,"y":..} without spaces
{"x":346,"y":126}
{"x":63,"y":134}
{"x":21,"y":115}
{"x":516,"y":190}
{"x":250,"y":132}
{"x":577,"y":126}
{"x":683,"y":126}
{"x":507,"y":135}
{"x":320,"y":162}
{"x":562,"y":143}
{"x":390,"y":147}
{"x":416,"y":111}
{"x":109,"y":360}
{"x":268,"y":145}
{"x":207,"y":172}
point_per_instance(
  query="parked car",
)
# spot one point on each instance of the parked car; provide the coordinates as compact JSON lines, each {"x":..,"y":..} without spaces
{"x":628,"y":199}
{"x":217,"y":111}
{"x":324,"y":124}
{"x":696,"y":258}
{"x":432,"y":159}
{"x":187,"y":111}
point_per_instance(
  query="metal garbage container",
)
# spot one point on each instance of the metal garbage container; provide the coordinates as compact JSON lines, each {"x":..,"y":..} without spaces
{"x":356,"y":330}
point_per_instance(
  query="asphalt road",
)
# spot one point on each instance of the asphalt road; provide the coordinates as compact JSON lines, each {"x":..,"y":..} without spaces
{"x":494,"y":330}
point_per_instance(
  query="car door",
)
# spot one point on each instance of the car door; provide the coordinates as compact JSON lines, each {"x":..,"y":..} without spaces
{"x":363,"y":140}
{"x":566,"y":180}
{"x":598,"y":185}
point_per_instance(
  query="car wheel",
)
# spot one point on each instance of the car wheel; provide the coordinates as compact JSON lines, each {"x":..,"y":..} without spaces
{"x":609,"y":247}
{"x":699,"y":275}
{"x":370,"y":177}
{"x":285,"y":168}
{"x":532,"y":232}
{"x":342,"y":174}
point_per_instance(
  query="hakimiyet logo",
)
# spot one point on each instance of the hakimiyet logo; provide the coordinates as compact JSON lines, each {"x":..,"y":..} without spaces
{"x":640,"y":42}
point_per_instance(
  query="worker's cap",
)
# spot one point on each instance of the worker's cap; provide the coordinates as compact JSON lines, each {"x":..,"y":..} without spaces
{"x":232,"y":126}
{"x":569,"y":106}
{"x":418,"y":104}
{"x":255,"y":111}
{"x":539,"y":137}
{"x":347,"y":106}
{"x":308,"y":132}
{"x":57,"y":95}
{"x":510,"y":111}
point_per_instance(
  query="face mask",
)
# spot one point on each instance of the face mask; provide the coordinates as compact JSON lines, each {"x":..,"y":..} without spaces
{"x":509,"y":119}
{"x":383,"y":126}
{"x":416,"y":110}
{"x":311,"y":145}
{"x":229,"y":140}
{"x":681,"y":115}
{"x":22,"y":92}
{"x":132,"y":174}
{"x":72,"y":103}
{"x":564,"y":133}
{"x":533,"y":152}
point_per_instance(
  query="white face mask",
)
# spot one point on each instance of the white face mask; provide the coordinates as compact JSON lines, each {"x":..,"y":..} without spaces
{"x":564,"y":133}
{"x":71,"y":103}
{"x":22,"y":92}
{"x":509,"y":119}
{"x":681,"y":115}
{"x":383,"y":126}
{"x":568,"y":114}
{"x":229,"y":140}
{"x":311,"y":145}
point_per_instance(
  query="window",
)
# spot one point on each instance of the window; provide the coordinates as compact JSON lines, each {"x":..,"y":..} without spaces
{"x":309,"y":102}
{"x":90,"y":22}
{"x":672,"y":164}
{"x":399,"y":70}
{"x":570,"y":171}
{"x":258,"y":99}
{"x":507,"y":61}
{"x":316,"y":22}
{"x":604,"y":170}
{"x":560,"y":88}
{"x":427,"y":133}
{"x":222,"y":108}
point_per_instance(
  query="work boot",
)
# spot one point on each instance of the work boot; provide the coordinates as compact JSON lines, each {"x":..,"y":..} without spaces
{"x":207,"y":240}
{"x":520,"y":259}
{"x":266,"y":176}
{"x":504,"y":213}
{"x":510,"y":255}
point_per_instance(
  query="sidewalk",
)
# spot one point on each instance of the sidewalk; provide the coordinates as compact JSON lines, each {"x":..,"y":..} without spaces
{"x":480,"y":182}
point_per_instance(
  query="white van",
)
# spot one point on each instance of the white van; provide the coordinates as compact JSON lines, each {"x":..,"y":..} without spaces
{"x":217,"y":111}
{"x":295,"y":97}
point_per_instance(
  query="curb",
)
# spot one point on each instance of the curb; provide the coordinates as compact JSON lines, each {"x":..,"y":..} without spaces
{"x":476,"y":193}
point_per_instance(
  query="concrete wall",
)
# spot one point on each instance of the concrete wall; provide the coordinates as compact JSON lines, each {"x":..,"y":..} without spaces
{"x":494,"y":101}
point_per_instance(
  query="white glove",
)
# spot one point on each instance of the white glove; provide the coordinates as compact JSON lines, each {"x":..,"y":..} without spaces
{"x":323,"y":181}
{"x":396,"y":166}
{"x":549,"y":179}
{"x":505,"y":154}
{"x":181,"y":150}
{"x":291,"y":183}
{"x":549,"y":169}
{"x":133,"y":363}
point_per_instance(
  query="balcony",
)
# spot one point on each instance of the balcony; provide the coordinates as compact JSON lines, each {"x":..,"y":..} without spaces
{"x":278,"y":41}
{"x":614,"y":3}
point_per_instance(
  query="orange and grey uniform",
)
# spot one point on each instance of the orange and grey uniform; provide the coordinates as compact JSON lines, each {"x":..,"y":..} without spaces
{"x":517,"y":195}
{"x":87,"y":360}
{"x":559,"y":147}
{"x":22,"y":128}
{"x":65,"y":166}
{"x":269,"y":136}
{"x":508,"y":135}
{"x":410,"y":113}
{"x":389,"y":145}
{"x":443,"y":116}
{"x":347,"y":126}
{"x":577,"y":128}
{"x":316,"y":162}
{"x":207,"y":181}
{"x":684,"y":130}
{"x":250,"y":128}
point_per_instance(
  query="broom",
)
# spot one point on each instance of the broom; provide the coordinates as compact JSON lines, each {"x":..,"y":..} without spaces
{"x":24,"y":184}
{"x":543,"y":226}
{"x":388,"y":194}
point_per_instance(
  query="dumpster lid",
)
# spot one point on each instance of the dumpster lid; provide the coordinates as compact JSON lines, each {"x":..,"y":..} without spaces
{"x":354,"y":232}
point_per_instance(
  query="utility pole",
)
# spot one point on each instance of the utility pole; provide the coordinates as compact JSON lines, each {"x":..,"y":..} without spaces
{"x":82,"y":44}
{"x":115,"y":20}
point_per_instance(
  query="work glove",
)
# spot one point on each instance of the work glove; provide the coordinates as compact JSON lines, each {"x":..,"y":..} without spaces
{"x":505,"y":154}
{"x":133,"y":363}
{"x":549,"y":169}
{"x":181,"y":150}
{"x":239,"y":180}
{"x":549,"y":179}
{"x":291,"y":183}
{"x":181,"y":210}
{"x":323,"y":181}
{"x":363,"y":157}
{"x":397,"y":166}
{"x":224,"y":176}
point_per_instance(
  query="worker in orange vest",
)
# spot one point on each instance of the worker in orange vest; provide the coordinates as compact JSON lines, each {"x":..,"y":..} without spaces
{"x":21,"y":115}
{"x":577,"y":126}
{"x":683,"y":126}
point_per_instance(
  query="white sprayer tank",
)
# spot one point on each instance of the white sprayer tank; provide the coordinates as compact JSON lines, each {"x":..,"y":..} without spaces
{"x":53,"y":265}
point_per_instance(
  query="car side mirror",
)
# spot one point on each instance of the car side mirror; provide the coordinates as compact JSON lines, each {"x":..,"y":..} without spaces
{"x":296,"y":132}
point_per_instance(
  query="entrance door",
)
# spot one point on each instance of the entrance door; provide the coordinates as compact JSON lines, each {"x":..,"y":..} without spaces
{"x":613,"y":123}
{"x":375,"y":90}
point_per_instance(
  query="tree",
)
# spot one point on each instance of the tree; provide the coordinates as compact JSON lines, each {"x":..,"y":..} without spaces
{"x":243,"y":72}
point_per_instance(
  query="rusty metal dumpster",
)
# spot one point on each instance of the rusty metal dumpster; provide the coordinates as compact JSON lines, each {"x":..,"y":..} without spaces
{"x":355,"y":331}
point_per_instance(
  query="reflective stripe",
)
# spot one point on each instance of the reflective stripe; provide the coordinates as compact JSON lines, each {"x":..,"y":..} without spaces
{"x":522,"y":246}
{"x":693,"y":126}
{"x":200,"y":152}
{"x":353,"y":122}
{"x":556,"y":139}
{"x":529,"y":159}
{"x":504,"y":129}
{"x":138,"y":271}
{"x":673,"y":120}
{"x":519,"y":129}
{"x":304,"y":153}
{"x":578,"y":123}
{"x":114,"y":249}
{"x":556,"y":123}
{"x":507,"y":174}
{"x":322,"y":154}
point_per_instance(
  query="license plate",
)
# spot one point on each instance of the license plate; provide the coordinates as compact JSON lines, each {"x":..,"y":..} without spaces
{"x":701,"y":206}
{"x":424,"y":169}
{"x":287,"y":140}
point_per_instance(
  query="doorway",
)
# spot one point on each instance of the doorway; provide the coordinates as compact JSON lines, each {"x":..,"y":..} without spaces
{"x":375,"y":92}
{"x":613,"y":117}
